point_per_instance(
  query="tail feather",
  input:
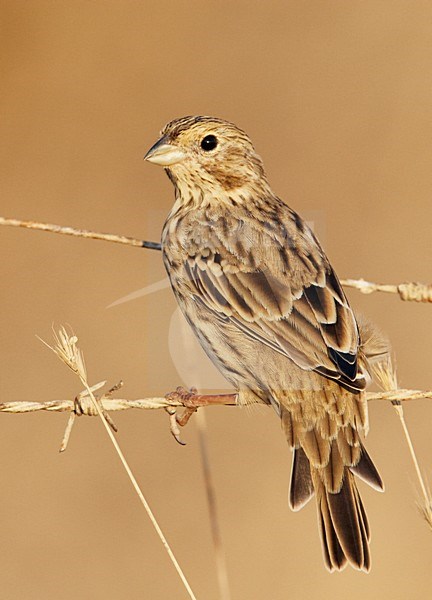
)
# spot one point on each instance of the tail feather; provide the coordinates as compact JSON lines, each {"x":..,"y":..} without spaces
{"x":301,"y":487}
{"x":367,"y":472}
{"x":334,"y":556}
{"x":342,"y":518}
{"x":364,"y":517}
{"x":333,"y":472}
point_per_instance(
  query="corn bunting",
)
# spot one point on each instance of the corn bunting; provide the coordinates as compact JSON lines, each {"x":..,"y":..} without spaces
{"x":261,"y":296}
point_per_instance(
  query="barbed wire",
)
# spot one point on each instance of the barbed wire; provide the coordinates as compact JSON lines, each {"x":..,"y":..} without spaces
{"x":83,"y":405}
{"x":86,"y":403}
{"x":408,"y":291}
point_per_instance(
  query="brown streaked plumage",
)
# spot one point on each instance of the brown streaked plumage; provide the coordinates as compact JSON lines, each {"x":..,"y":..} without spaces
{"x":261,"y":296}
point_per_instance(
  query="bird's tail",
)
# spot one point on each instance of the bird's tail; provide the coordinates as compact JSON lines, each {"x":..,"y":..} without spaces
{"x":342,"y":518}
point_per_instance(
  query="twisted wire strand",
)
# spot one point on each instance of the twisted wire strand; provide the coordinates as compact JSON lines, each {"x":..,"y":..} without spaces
{"x":411,"y":291}
{"x":84,"y":406}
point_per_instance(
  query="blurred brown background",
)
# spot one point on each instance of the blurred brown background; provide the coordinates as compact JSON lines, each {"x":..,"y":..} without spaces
{"x":337,"y":97}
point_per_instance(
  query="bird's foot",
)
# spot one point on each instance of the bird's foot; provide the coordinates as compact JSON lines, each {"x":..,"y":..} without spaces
{"x":186,"y":397}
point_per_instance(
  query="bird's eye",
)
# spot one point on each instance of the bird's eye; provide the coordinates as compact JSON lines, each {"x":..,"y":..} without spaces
{"x":209,"y":142}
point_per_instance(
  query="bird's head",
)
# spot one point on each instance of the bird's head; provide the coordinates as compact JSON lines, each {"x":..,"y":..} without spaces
{"x":207,"y":154}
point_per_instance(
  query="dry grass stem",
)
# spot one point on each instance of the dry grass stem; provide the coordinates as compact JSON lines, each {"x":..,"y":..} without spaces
{"x":386,"y":376}
{"x":425,"y":507}
{"x":415,"y":292}
{"x":221,"y":564}
{"x":67,"y":350}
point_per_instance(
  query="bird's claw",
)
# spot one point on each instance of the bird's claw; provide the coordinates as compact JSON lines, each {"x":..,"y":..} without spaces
{"x":180,"y":420}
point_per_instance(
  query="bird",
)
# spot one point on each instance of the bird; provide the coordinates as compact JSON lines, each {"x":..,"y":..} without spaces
{"x":260,"y":294}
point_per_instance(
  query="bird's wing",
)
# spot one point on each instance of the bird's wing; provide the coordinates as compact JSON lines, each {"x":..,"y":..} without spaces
{"x":275,"y":284}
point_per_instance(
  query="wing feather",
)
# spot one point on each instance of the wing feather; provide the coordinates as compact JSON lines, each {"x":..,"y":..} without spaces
{"x":283,"y":292}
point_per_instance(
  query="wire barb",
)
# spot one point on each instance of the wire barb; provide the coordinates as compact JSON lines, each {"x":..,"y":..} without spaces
{"x":66,"y":348}
{"x":84,"y":405}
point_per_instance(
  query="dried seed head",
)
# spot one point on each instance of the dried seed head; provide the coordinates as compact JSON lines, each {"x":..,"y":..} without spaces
{"x":385,"y":374}
{"x":66,"y":348}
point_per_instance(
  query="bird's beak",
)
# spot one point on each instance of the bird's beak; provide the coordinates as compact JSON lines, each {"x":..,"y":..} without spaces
{"x":165,"y":154}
